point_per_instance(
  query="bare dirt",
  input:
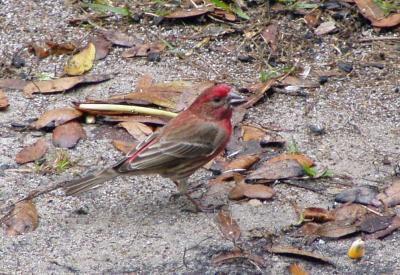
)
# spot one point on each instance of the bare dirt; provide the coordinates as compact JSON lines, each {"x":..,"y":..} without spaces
{"x":130,"y":225}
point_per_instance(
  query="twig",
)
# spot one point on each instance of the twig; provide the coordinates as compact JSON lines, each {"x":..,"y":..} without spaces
{"x":125,"y":108}
{"x":190,"y":248}
{"x":385,"y":38}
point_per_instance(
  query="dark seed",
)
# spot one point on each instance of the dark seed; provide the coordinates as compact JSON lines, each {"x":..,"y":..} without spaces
{"x":153,"y":57}
{"x":245,"y":58}
{"x":323,"y":79}
{"x":346,"y":67}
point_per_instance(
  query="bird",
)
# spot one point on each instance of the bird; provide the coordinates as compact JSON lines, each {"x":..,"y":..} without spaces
{"x":177,"y":150}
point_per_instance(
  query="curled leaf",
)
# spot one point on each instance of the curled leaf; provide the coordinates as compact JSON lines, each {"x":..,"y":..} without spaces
{"x":23,"y":219}
{"x":3,"y":100}
{"x":56,"y":117}
{"x":227,"y":225}
{"x":136,"y":129}
{"x":68,"y":135}
{"x":32,"y":152}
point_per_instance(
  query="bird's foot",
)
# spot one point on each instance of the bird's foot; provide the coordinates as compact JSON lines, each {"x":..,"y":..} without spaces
{"x":198,"y":207}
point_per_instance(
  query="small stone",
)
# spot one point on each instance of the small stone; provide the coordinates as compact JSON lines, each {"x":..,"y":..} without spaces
{"x":397,"y":90}
{"x":386,"y":160}
{"x":136,"y":17}
{"x":345,"y":66}
{"x":245,"y":58}
{"x":254,"y":202}
{"x":317,"y":130}
{"x":154,"y":57}
{"x":323,"y":79}
{"x":17,"y":61}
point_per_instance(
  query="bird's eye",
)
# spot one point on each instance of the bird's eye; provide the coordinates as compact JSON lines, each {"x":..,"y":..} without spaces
{"x":217,"y":99}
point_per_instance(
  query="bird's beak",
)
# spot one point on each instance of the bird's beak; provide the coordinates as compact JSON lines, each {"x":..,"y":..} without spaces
{"x":235,"y":99}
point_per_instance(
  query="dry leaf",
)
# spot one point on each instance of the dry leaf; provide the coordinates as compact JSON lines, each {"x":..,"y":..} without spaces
{"x":60,"y":48}
{"x":336,"y":229}
{"x":32,"y":152}
{"x":121,"y":39}
{"x":252,"y":191}
{"x":391,"y":196}
{"x":349,"y":212}
{"x":387,"y":231}
{"x":318,"y":214}
{"x":23,"y":219}
{"x":228,"y":256}
{"x":17,"y":84}
{"x":68,"y":135}
{"x":312,"y":19}
{"x":102,"y":45}
{"x":81,"y":62}
{"x":372,"y":223}
{"x":144,"y":49}
{"x":302,"y":159}
{"x":186,"y":13}
{"x":294,"y":251}
{"x":227,"y":225}
{"x":56,"y":117}
{"x":123,"y":146}
{"x":390,"y":21}
{"x":3,"y":100}
{"x":297,"y":82}
{"x":325,"y":28}
{"x":271,"y":171}
{"x":40,"y":49}
{"x":259,"y":93}
{"x":136,"y":129}
{"x":270,"y":36}
{"x":297,"y":269}
{"x":62,"y":84}
{"x":267,"y":138}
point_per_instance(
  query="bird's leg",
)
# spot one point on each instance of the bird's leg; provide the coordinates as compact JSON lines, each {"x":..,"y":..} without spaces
{"x":183,"y":190}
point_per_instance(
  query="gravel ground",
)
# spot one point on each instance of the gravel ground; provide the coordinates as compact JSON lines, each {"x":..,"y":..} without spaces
{"x":130,"y":225}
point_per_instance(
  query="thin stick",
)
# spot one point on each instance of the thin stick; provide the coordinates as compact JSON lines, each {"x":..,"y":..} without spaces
{"x":125,"y":108}
{"x":385,"y":38}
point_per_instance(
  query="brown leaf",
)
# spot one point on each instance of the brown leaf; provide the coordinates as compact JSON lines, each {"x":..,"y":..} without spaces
{"x":23,"y":219}
{"x":228,"y":256}
{"x":68,"y":135}
{"x":186,"y":13}
{"x":242,"y":162}
{"x":3,"y":100}
{"x":32,"y":152}
{"x":136,"y":129}
{"x":121,"y":39}
{"x":60,"y":48}
{"x":349,"y":212}
{"x":56,"y":117}
{"x":270,"y":36}
{"x":263,"y":88}
{"x":370,"y":10}
{"x":387,"y":22}
{"x":387,"y":231}
{"x":312,"y":19}
{"x":336,"y":229}
{"x":271,"y":171}
{"x":318,"y":214}
{"x":228,"y":226}
{"x":372,"y":223}
{"x":123,"y":146}
{"x":40,"y":49}
{"x":223,"y":14}
{"x":102,"y":45}
{"x":252,"y":191}
{"x":294,"y":251}
{"x":144,"y":82}
{"x":251,"y":132}
{"x":325,"y":28}
{"x":391,"y":196}
{"x":17,"y":84}
{"x":62,"y":84}
{"x":297,"y":269}
{"x":144,"y":49}
{"x":308,"y":229}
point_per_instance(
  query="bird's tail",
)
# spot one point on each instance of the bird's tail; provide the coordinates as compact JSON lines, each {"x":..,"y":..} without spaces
{"x":81,"y":185}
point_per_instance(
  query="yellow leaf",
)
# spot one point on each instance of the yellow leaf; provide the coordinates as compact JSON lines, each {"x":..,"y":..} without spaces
{"x":81,"y":62}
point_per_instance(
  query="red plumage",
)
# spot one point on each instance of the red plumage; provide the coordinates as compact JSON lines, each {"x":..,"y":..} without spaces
{"x":177,"y":150}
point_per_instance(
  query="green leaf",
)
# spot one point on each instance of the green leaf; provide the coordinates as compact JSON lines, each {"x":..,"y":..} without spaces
{"x":310,"y":171}
{"x":241,"y":13}
{"x":105,"y":8}
{"x":293,"y":149}
{"x":327,"y":174}
{"x":221,"y":4}
{"x":267,"y":75}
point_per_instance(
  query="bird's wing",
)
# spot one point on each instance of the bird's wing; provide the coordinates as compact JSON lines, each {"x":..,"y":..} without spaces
{"x":171,"y":149}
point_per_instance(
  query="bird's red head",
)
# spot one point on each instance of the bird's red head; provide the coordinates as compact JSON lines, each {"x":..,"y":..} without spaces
{"x":214,"y":103}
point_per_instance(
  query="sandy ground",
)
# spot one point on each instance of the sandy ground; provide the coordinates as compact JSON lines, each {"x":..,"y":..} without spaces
{"x":130,"y":225}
